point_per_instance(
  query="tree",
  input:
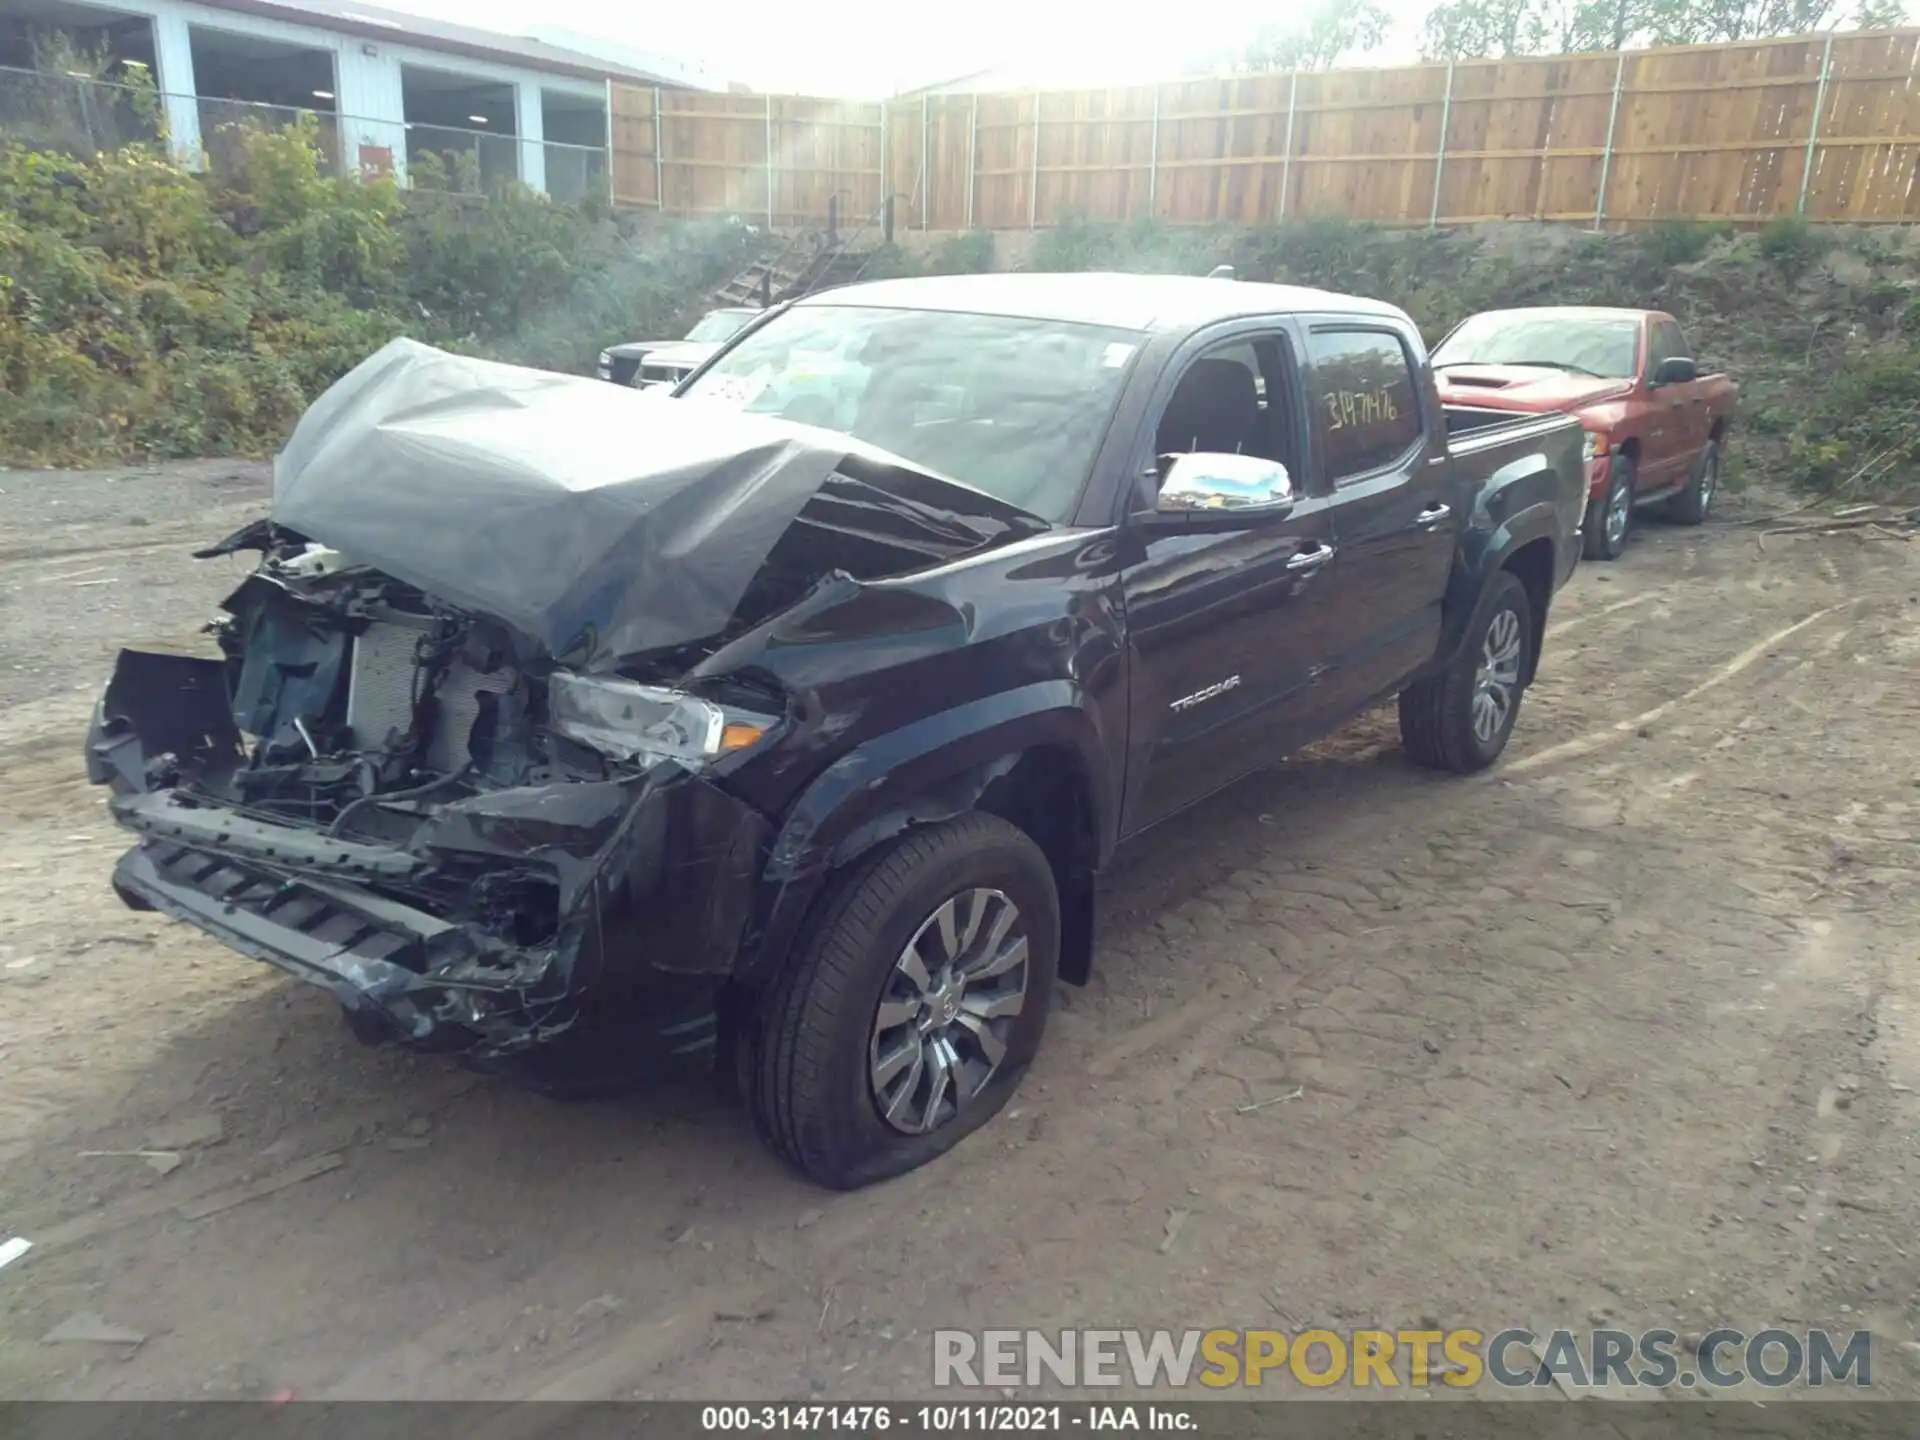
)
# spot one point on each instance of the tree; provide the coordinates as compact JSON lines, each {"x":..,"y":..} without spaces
{"x":1464,"y":29}
{"x":1330,"y":31}
{"x":1708,"y":22}
{"x":1470,"y":29}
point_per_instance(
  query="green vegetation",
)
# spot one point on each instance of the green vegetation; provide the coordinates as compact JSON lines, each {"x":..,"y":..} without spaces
{"x":1792,"y":243}
{"x":1682,"y":242}
{"x":145,"y":311}
{"x":1858,"y":434}
{"x":148,"y":312}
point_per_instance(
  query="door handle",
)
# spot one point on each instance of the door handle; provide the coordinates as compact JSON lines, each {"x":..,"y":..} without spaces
{"x":1310,"y":559}
{"x":1433,"y":516}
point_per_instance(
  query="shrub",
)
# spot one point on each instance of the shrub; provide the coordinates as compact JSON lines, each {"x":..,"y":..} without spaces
{"x":1793,"y":243}
{"x":1682,"y":242}
{"x":971,"y":253}
{"x":1142,"y":247}
{"x":1859,"y":432}
{"x":889,"y":262}
{"x":145,"y":311}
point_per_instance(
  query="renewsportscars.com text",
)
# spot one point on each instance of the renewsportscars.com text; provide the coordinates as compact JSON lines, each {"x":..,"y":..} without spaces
{"x":1461,"y":1358}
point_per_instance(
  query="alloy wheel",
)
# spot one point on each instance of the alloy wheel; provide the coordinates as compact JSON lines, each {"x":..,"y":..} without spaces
{"x":1497,"y":681}
{"x":947,"y":1010}
{"x":1619,"y":506}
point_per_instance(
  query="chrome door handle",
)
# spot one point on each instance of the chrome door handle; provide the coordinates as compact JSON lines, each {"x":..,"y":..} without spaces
{"x":1431,"y":517}
{"x":1307,"y":561}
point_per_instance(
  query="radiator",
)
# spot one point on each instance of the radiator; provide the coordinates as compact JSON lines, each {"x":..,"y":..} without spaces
{"x":380,"y":690}
{"x":380,"y":684}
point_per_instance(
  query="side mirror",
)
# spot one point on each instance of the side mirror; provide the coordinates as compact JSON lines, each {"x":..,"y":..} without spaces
{"x":1674,"y":370}
{"x":1204,"y":487}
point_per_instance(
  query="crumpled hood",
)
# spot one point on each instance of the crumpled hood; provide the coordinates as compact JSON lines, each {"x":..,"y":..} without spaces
{"x":600,"y":524}
{"x":1525,"y":387}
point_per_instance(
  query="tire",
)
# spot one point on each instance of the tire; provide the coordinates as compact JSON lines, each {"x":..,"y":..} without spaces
{"x":1601,"y":540}
{"x":1438,"y":715}
{"x":1690,"y":506}
{"x":818,"y":1045}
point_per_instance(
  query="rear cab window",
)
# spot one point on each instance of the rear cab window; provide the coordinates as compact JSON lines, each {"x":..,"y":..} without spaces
{"x":1366,"y":406}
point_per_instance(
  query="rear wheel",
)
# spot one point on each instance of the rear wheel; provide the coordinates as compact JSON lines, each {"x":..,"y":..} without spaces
{"x":1460,"y":719}
{"x":913,"y":1007}
{"x":1610,"y":517}
{"x":1690,"y":506}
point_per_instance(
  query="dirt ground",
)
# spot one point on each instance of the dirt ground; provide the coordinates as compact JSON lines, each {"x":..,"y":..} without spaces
{"x":1621,"y":1032}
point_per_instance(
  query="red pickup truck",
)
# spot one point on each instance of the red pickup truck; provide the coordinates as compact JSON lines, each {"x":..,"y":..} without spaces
{"x":1655,"y":425}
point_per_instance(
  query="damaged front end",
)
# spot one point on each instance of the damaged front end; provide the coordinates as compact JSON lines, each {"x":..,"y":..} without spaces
{"x":470,"y":757}
{"x":413,"y":807}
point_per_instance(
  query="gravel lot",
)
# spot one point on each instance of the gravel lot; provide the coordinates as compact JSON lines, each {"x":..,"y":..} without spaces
{"x":1625,"y":1030}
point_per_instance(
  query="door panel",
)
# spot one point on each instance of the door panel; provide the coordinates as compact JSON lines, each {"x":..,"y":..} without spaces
{"x":1667,"y":447}
{"x":1226,"y":630}
{"x":1394,"y":515}
{"x":1395,"y":534}
{"x":1226,"y":633}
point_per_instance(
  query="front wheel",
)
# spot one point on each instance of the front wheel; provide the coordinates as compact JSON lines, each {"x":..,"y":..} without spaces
{"x":913,"y":1007}
{"x":1460,"y":719}
{"x":1610,"y":517}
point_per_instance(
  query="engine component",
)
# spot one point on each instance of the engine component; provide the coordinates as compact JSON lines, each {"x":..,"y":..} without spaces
{"x":381,"y":684}
{"x":459,"y":699}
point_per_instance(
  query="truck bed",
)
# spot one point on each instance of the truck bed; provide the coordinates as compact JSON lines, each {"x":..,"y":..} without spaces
{"x":1486,"y":446}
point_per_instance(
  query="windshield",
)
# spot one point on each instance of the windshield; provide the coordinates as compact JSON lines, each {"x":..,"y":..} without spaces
{"x":720,"y":325}
{"x":1592,"y":345}
{"x":1015,"y":408}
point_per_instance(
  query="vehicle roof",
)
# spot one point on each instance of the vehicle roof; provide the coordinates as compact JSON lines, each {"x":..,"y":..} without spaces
{"x":1126,"y":302}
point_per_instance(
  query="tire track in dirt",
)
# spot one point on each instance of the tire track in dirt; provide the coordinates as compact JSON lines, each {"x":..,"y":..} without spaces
{"x":1593,"y":740}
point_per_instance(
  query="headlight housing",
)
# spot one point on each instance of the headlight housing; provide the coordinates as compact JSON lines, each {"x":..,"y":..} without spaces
{"x":627,"y":721}
{"x":606,"y":359}
{"x":1596,"y":445}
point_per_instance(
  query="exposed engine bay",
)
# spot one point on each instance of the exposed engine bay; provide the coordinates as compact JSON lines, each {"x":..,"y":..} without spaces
{"x":462,"y":782}
{"x":357,"y":686}
{"x":344,"y":740}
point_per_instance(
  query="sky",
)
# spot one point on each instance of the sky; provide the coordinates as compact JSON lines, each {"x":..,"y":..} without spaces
{"x":871,"y":48}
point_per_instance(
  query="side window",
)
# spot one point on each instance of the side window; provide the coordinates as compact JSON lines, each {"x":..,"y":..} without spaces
{"x":1665,"y":342}
{"x":1234,"y":399}
{"x":1365,"y":407}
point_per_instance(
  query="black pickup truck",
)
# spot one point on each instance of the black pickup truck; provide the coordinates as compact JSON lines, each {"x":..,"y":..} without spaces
{"x":790,"y":720}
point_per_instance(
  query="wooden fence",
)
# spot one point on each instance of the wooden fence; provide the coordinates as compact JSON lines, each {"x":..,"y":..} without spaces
{"x":1822,"y":125}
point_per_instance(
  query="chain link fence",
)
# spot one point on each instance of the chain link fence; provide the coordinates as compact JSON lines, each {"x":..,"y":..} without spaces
{"x":81,"y":115}
{"x":75,"y":114}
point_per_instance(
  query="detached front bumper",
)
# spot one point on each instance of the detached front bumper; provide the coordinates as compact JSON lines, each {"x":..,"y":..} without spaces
{"x":507,"y":919}
{"x":375,"y":957}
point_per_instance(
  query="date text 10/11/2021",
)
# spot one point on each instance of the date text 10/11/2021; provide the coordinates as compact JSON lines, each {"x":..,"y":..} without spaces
{"x":945,"y":1419}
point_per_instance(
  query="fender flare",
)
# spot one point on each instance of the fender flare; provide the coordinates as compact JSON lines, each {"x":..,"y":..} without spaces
{"x":922,"y":773}
{"x":1484,"y":555}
